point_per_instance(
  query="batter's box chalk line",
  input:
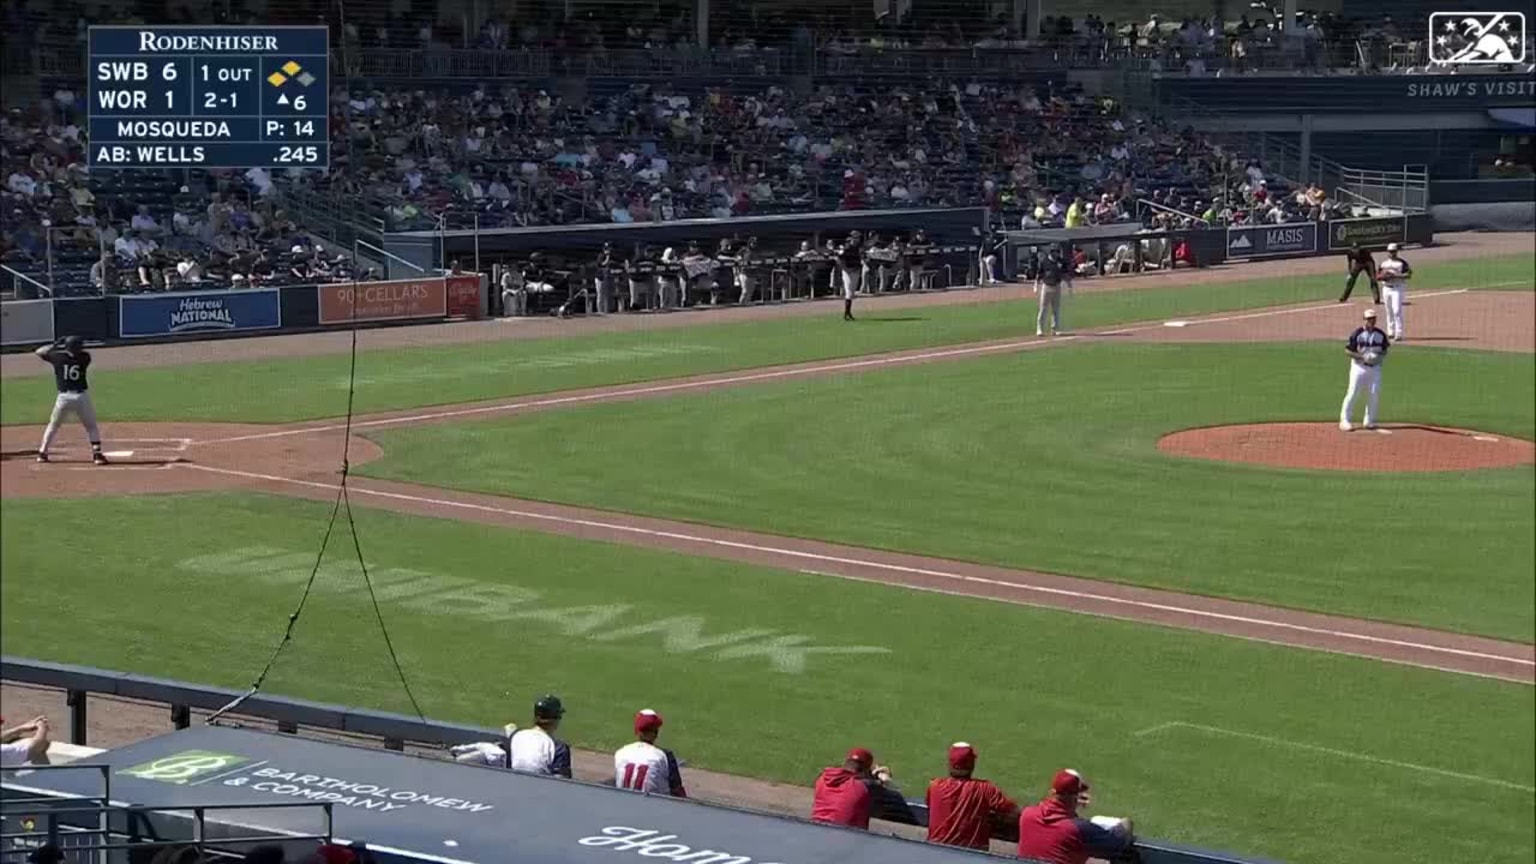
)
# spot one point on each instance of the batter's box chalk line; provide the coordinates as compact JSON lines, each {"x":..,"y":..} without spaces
{"x":1329,"y":751}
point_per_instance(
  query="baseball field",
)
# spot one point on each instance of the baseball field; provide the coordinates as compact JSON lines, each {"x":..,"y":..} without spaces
{"x":793,"y":535}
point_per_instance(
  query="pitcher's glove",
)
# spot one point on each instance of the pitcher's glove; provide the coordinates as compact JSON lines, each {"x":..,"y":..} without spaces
{"x":1370,"y":358}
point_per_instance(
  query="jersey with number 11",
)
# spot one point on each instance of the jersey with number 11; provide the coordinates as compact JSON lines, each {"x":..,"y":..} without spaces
{"x":643,"y":767}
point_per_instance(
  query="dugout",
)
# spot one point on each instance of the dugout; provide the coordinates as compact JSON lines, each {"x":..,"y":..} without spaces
{"x":1122,"y":247}
{"x":417,"y":809}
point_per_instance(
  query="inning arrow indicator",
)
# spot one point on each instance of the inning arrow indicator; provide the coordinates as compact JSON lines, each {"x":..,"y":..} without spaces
{"x":283,"y":99}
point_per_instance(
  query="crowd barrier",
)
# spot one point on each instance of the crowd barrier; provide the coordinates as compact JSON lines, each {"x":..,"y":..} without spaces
{"x":192,"y":315}
{"x":397,"y":730}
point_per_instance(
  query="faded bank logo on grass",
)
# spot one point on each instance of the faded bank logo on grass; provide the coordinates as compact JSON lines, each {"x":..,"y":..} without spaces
{"x":182,"y":768}
{"x":1478,"y":38}
{"x":469,"y":601}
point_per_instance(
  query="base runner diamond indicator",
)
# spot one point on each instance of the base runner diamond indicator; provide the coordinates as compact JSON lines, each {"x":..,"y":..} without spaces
{"x":277,"y":79}
{"x":306,"y":79}
{"x":291,"y":68}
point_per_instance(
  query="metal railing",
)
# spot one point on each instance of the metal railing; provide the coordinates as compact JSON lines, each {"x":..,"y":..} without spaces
{"x":94,"y":827}
{"x":1406,"y":189}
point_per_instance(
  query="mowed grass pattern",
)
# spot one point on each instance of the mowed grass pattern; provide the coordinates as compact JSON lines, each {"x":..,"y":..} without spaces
{"x":286,"y":389}
{"x":1035,"y":690}
{"x":1048,"y":460}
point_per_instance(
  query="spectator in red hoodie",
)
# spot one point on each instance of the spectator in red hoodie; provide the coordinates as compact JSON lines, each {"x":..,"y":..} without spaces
{"x":962,"y":809}
{"x":856,"y":791}
{"x":1052,"y":832}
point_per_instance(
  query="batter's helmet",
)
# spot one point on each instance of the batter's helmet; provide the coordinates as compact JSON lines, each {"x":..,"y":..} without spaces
{"x":548,"y":708}
{"x":73,"y":343}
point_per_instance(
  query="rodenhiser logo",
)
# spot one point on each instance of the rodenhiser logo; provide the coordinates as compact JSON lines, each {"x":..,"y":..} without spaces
{"x":184,"y":767}
{"x":201,"y":313}
{"x":654,"y":844}
{"x":1485,"y":38}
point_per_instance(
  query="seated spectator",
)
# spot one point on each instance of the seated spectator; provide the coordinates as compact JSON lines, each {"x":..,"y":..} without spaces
{"x":537,"y":750}
{"x":962,"y":810}
{"x":856,"y":791}
{"x":48,"y":853}
{"x":26,"y":744}
{"x":1053,"y":832}
{"x":644,"y":767}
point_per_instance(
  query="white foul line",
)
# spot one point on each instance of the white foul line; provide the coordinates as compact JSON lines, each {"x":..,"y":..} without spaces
{"x":1342,"y":754}
{"x":608,"y":395}
{"x":878,"y":565}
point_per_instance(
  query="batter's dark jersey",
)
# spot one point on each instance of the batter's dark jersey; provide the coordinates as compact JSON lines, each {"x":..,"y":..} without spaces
{"x":852,"y":254}
{"x":69,"y":369}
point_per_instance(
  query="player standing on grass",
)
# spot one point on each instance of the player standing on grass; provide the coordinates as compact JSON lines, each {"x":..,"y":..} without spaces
{"x":850,"y":264}
{"x":1048,"y":283}
{"x":70,"y":361}
{"x":1367,"y":347}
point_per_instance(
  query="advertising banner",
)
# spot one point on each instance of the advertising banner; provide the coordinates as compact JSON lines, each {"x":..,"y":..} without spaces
{"x":26,"y":322}
{"x":464,"y":296}
{"x":1260,"y":241}
{"x":141,"y":316}
{"x":1374,"y":232}
{"x":396,"y":300}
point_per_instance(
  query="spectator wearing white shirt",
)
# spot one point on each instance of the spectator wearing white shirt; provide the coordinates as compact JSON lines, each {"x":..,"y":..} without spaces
{"x":143,"y":221}
{"x":189,"y":271}
{"x":262,"y":180}
{"x":644,"y":767}
{"x":536,"y":750}
{"x":26,"y":744}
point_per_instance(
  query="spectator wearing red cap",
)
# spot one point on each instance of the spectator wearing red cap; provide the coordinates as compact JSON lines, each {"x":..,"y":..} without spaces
{"x":856,"y":791}
{"x":962,"y":809}
{"x":644,"y":767}
{"x":1054,"y":833}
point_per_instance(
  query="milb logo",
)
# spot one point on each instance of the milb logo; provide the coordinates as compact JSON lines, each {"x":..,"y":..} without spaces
{"x":179,"y":769}
{"x":1484,"y":38}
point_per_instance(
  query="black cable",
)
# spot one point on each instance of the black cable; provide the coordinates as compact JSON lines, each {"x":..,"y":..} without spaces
{"x":342,"y":497}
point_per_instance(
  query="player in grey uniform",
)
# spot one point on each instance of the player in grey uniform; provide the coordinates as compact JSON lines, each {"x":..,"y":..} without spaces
{"x":1049,"y":278}
{"x":70,"y":361}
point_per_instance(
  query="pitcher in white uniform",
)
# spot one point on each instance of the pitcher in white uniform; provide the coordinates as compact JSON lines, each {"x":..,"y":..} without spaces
{"x":1367,"y":348}
{"x":1393,"y":275}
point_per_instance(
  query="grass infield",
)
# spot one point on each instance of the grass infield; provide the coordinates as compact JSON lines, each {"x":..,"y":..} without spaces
{"x":1048,"y":460}
{"x":289,"y":389}
{"x":1291,"y":754}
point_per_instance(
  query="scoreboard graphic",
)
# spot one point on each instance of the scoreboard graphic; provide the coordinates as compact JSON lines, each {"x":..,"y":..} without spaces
{"x":209,"y":97}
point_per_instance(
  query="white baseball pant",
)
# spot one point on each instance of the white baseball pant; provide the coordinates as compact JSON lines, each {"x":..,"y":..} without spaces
{"x":1362,"y":377}
{"x":1393,"y":294}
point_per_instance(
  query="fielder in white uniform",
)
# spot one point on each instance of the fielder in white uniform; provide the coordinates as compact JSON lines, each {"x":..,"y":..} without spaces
{"x":644,"y":767}
{"x":70,"y":361}
{"x":1367,"y":348}
{"x":1393,"y":274}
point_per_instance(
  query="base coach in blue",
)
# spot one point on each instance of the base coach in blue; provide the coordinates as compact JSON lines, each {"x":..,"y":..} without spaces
{"x":70,"y":361}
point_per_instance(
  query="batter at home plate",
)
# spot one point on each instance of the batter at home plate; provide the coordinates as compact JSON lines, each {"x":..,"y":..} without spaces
{"x":1367,"y":348}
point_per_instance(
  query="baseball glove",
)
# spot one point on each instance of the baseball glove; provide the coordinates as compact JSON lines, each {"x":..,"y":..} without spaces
{"x":1370,"y":358}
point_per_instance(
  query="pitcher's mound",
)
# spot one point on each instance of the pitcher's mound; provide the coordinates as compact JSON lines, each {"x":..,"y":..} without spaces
{"x":1322,"y":446}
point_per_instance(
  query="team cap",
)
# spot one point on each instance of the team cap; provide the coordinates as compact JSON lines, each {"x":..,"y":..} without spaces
{"x":647,"y":721}
{"x":1068,"y":782}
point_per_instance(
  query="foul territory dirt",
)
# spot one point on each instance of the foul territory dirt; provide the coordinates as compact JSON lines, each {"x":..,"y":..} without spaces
{"x":304,"y":460}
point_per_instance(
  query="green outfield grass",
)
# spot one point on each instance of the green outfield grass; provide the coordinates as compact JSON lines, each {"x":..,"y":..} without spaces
{"x":1035,"y":690}
{"x":1048,"y":460}
{"x":286,"y":389}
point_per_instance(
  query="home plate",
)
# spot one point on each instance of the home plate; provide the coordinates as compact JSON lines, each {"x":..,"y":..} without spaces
{"x":118,"y":454}
{"x":1175,"y":323}
{"x":1485,"y":438}
{"x":1383,"y":431}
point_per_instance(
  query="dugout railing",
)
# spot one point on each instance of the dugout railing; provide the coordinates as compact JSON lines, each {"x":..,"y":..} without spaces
{"x":393,"y":731}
